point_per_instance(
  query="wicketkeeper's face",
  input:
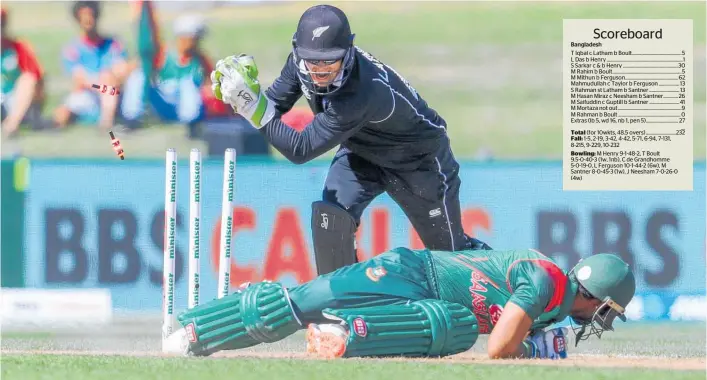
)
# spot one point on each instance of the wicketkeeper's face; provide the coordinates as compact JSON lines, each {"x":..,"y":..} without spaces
{"x":323,"y":73}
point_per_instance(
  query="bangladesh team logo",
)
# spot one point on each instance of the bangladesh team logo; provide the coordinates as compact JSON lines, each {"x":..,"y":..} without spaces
{"x":375,"y":274}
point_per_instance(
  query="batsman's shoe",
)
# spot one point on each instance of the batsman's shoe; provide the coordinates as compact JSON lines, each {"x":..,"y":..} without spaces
{"x":326,"y":341}
{"x":177,"y":343}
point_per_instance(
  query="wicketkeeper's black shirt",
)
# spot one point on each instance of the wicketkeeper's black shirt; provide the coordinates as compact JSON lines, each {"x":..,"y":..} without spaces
{"x":377,"y":115}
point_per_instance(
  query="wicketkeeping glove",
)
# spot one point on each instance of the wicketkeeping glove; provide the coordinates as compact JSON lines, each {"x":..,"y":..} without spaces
{"x":551,"y":344}
{"x":234,"y":81}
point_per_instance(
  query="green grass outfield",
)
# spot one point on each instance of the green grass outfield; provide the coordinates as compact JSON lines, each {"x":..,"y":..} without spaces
{"x":133,"y":368}
{"x":493,"y":70}
{"x":129,"y":349}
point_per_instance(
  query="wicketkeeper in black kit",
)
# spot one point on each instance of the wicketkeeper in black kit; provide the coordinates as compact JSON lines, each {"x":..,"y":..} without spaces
{"x":390,"y":139}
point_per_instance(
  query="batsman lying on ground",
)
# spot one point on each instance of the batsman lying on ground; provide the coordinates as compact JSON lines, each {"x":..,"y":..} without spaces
{"x":420,"y":303}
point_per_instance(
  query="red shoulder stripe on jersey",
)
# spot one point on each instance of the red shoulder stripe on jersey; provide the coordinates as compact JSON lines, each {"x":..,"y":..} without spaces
{"x":26,"y":58}
{"x":557,"y":276}
{"x":559,"y":281}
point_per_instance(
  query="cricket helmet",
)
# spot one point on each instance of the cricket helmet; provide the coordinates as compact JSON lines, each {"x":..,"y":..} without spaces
{"x":323,"y":34}
{"x":609,"y":279}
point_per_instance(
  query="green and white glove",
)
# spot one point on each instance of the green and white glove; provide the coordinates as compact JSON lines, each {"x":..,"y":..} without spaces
{"x":234,"y":81}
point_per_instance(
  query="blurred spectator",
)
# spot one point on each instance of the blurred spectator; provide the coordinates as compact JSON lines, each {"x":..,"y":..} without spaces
{"x":22,"y":83}
{"x":91,"y":58}
{"x":180,"y":89}
{"x":298,"y":118}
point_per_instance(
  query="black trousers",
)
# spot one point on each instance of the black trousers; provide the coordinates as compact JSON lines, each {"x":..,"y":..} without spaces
{"x":429,"y":195}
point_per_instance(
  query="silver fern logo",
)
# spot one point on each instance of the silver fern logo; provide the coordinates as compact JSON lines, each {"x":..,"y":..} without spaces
{"x":316,"y":33}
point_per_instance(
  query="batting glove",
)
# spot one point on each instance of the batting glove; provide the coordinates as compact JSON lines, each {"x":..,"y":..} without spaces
{"x":235,"y":82}
{"x":551,"y":344}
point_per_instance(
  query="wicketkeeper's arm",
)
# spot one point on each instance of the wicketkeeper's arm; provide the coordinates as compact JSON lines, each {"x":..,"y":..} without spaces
{"x":286,"y":90}
{"x":324,"y":133}
{"x":339,"y":121}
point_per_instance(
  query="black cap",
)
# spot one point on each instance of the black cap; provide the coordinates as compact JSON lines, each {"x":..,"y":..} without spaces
{"x":323,"y":33}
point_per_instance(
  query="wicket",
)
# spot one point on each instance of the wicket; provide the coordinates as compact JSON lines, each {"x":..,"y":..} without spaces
{"x":194,"y":256}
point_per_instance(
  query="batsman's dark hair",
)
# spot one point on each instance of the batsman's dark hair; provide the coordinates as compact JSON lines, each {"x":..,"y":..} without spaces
{"x":94,"y":5}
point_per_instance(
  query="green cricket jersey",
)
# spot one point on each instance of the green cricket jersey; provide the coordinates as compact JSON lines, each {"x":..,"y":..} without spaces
{"x":484,"y":281}
{"x":173,"y":69}
{"x":17,"y":58}
{"x":10,"y":69}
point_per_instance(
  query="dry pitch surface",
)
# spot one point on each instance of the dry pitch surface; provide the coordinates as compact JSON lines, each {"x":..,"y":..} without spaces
{"x":130,"y":350}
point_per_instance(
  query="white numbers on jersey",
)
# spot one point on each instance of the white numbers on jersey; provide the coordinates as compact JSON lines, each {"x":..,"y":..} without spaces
{"x":384,"y":69}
